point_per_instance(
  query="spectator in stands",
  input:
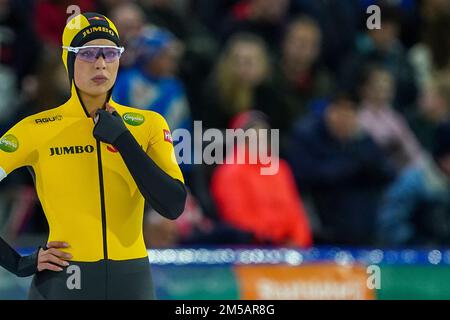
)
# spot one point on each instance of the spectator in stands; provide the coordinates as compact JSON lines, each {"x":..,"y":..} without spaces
{"x":299,"y":77}
{"x":239,"y":82}
{"x":382,"y":46}
{"x":433,"y":109}
{"x":387,"y":127}
{"x":339,"y":22}
{"x":432,"y":53}
{"x":151,"y":84}
{"x":419,"y":191}
{"x":266,"y":206}
{"x":342,"y":169}
{"x":415,"y":208}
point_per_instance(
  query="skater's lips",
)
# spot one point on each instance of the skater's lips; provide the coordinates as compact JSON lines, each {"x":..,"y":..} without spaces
{"x":100,"y":77}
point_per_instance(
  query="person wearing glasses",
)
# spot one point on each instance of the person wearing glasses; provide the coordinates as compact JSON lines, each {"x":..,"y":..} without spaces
{"x":95,"y":163}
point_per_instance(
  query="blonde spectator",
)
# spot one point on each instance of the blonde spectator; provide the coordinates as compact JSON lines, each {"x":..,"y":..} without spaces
{"x":235,"y":84}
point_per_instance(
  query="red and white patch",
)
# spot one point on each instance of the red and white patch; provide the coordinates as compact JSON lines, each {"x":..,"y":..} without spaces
{"x":167,"y":136}
{"x":112,"y":149}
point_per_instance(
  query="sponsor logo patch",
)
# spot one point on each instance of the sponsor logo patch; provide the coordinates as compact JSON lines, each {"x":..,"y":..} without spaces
{"x":98,"y":29}
{"x":48,"y":119}
{"x":167,"y":136}
{"x":59,"y":151}
{"x":133,"y":119}
{"x":9,"y":143}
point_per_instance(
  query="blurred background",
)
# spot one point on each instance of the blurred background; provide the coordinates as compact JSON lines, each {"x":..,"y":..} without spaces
{"x":364,"y":120}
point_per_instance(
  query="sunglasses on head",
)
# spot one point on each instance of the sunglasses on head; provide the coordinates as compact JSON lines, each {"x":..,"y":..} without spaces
{"x":92,"y":53}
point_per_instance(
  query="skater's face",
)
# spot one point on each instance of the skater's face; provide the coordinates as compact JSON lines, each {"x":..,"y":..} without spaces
{"x":96,"y":77}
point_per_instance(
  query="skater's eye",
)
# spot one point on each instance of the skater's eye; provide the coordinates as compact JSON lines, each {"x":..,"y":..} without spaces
{"x":87,"y":54}
{"x":111,"y":54}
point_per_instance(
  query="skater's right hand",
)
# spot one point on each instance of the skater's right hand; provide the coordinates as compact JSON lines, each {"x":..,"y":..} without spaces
{"x":51,"y":258}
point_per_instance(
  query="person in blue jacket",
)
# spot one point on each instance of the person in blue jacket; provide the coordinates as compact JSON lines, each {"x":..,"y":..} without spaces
{"x":342,"y":170}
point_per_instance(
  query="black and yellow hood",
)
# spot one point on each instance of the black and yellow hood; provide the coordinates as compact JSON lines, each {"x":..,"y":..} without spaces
{"x":80,"y":30}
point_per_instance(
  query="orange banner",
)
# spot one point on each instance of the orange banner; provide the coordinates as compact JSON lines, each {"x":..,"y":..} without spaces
{"x":307,"y":282}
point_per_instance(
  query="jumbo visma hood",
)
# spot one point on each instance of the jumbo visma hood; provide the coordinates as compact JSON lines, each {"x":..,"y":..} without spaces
{"x":80,"y":30}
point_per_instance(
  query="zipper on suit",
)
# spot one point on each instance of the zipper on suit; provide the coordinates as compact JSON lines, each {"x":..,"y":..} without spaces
{"x":102,"y":199}
{"x":103,"y":209}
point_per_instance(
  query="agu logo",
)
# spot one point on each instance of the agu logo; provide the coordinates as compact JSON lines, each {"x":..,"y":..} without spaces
{"x":49,"y":119}
{"x":133,"y":119}
{"x":9,"y":143}
{"x":167,"y":136}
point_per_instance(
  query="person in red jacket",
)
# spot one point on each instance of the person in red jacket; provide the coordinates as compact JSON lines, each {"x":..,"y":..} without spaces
{"x":267,"y":206}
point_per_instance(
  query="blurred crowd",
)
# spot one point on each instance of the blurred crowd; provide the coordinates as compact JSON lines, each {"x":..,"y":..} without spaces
{"x":364,"y":115}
